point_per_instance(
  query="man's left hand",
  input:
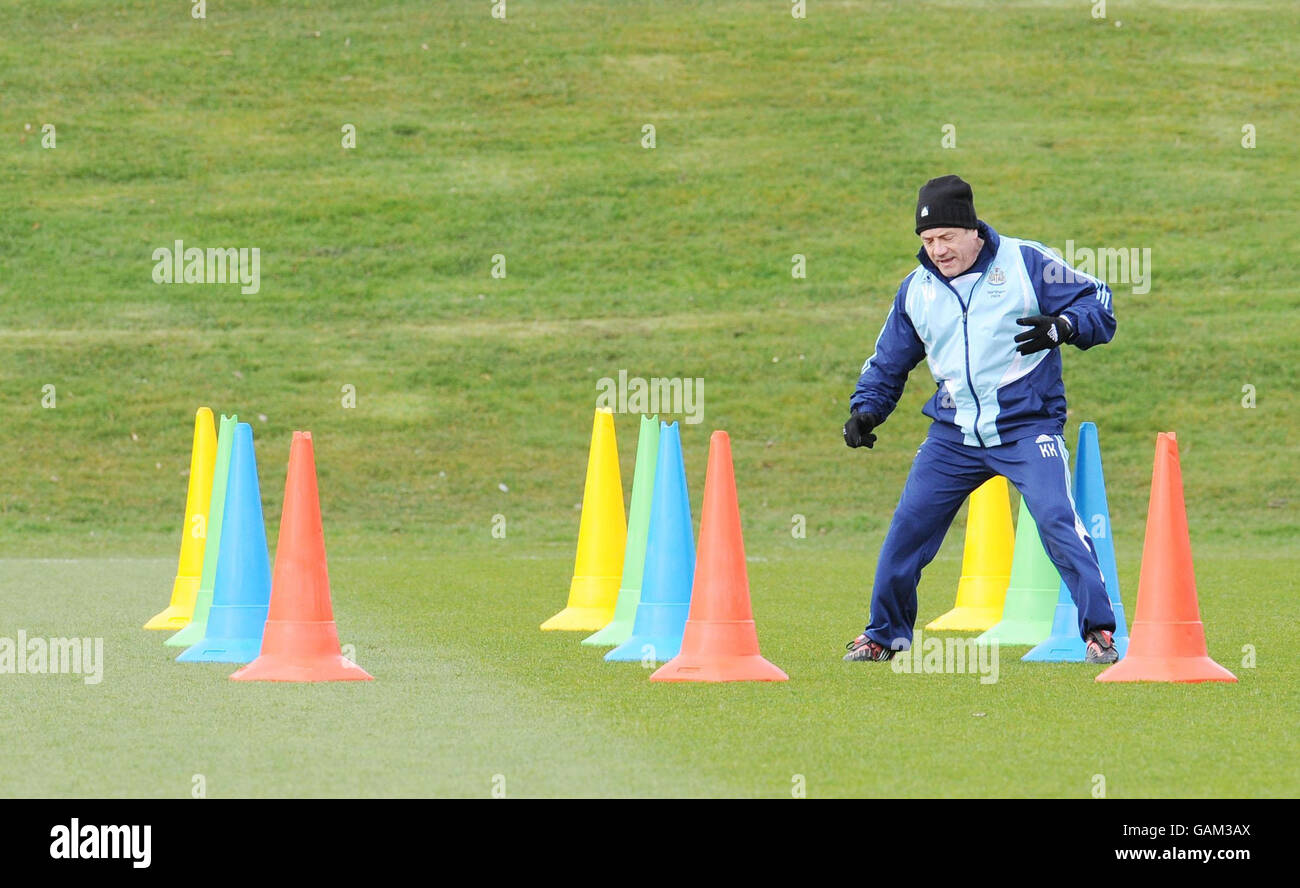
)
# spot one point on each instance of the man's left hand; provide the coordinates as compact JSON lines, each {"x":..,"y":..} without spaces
{"x":1048,"y":332}
{"x":857,"y":431}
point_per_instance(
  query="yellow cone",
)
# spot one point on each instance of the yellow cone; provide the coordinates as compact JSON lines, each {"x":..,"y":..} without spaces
{"x":602,"y":534}
{"x":986,"y":562}
{"x":185,"y":589}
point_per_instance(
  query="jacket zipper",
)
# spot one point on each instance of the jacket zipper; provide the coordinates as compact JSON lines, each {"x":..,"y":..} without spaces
{"x":965,"y":336}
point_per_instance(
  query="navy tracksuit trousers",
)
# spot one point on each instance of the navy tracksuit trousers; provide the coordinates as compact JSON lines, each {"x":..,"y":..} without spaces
{"x":943,"y":474}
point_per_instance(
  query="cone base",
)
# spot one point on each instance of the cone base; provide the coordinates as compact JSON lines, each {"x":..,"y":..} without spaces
{"x":191,"y":635}
{"x":1017,"y":632}
{"x":616,"y":633}
{"x":185,"y":591}
{"x":580,"y":619}
{"x":967,"y":619}
{"x":1166,"y":669}
{"x":1068,"y":649}
{"x":173,"y":619}
{"x":281,"y":667}
{"x":222,"y":650}
{"x":590,"y":605}
{"x":633,"y":650}
{"x":715,"y":668}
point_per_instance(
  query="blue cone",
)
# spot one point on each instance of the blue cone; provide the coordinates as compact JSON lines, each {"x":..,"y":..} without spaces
{"x":669,"y":561}
{"x":1064,"y":644}
{"x":241,"y":592}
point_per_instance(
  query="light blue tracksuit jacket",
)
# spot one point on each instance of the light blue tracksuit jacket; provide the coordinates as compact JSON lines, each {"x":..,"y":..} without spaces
{"x":986,"y":392}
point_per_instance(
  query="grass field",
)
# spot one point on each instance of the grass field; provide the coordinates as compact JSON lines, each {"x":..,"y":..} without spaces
{"x":522,"y":137}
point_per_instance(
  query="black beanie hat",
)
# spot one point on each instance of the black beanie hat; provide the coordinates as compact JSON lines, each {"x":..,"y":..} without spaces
{"x":945,"y":202}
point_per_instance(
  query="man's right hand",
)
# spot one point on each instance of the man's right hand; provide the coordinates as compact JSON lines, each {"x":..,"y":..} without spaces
{"x":857,"y":431}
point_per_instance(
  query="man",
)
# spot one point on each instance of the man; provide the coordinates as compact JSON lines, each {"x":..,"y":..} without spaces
{"x":988,"y":313}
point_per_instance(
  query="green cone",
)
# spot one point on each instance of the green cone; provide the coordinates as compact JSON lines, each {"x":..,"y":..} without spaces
{"x":1031,"y":596}
{"x":197,"y":627}
{"x":619,"y":629}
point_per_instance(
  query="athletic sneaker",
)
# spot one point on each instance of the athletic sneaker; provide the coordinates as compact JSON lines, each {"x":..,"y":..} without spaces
{"x":863,"y":648}
{"x":1101,"y":648}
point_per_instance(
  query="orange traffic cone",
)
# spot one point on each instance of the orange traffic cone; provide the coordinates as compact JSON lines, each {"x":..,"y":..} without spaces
{"x":720,"y":642}
{"x":1167,"y":641}
{"x":301,"y":642}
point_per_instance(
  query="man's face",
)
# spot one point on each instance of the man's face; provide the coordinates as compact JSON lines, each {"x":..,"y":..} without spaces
{"x":953,"y":250}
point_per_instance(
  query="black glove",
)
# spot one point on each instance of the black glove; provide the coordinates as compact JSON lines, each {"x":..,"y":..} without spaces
{"x":857,"y":431}
{"x":1048,"y":332}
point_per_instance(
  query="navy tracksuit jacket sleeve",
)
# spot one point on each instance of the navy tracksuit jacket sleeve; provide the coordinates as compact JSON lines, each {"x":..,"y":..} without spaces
{"x":898,"y":350}
{"x":1082,"y":298}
